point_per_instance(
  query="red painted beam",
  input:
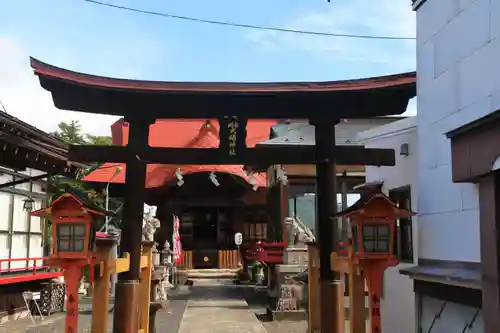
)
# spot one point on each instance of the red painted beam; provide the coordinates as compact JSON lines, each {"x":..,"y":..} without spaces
{"x":28,"y":277}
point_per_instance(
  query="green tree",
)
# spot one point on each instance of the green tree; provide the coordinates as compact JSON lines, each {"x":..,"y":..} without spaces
{"x":99,"y":140}
{"x":72,"y":133}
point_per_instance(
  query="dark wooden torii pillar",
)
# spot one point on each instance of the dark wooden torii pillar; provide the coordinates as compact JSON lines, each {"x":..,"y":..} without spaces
{"x":126,"y":316}
{"x":326,"y":235}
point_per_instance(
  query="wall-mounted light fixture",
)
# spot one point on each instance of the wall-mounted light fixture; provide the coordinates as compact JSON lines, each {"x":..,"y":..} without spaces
{"x":404,"y":150}
{"x":28,"y":204}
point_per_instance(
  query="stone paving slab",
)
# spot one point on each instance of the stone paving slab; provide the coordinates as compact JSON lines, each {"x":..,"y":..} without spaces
{"x":167,"y":321}
{"x":213,"y":308}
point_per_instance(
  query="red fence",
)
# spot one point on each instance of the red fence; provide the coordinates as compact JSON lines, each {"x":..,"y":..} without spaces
{"x":266,"y":252}
{"x":32,"y":271}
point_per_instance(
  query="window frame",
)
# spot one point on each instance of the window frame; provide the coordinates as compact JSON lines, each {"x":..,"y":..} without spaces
{"x":404,"y":248}
{"x":376,"y":238}
{"x":300,"y":189}
{"x":71,"y":237}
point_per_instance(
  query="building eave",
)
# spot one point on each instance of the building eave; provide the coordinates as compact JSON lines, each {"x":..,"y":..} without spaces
{"x":416,"y":4}
{"x":397,"y":127}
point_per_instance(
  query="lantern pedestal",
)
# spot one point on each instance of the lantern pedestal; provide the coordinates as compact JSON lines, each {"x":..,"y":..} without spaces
{"x":374,"y":273}
{"x":72,"y":276}
{"x":290,"y":295}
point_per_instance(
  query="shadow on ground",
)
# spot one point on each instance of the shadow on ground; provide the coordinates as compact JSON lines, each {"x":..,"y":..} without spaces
{"x":258,"y":301}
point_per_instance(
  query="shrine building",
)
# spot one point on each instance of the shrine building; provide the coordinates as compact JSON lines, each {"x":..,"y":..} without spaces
{"x":253,"y":203}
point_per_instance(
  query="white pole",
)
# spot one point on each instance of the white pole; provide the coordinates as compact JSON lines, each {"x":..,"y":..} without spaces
{"x":114,"y":250}
{"x":106,"y":219}
{"x":239,"y":256}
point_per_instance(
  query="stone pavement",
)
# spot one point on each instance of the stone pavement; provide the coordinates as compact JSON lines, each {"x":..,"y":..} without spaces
{"x":212,"y":306}
{"x":215,"y":307}
{"x":166,"y":321}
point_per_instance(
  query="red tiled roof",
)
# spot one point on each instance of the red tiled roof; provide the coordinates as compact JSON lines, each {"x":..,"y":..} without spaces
{"x":186,"y":133}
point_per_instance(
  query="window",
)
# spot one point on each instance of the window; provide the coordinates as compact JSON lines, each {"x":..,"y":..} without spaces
{"x":255,"y":214}
{"x":255,"y":231}
{"x":376,"y":238}
{"x":70,"y":237}
{"x":302,"y":204}
{"x":303,"y":207}
{"x":403,"y":237}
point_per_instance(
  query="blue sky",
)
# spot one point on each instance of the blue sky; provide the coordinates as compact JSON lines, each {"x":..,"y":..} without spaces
{"x":105,"y":41}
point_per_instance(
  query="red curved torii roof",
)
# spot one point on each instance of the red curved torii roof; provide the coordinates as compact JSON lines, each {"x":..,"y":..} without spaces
{"x":356,"y":98}
{"x":181,"y":133}
{"x":50,"y":71}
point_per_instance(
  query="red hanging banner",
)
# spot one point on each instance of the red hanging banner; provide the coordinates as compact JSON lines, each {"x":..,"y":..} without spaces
{"x":176,"y":240}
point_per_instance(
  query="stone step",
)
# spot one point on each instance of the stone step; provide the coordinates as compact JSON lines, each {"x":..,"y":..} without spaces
{"x":212,"y":270}
{"x":211,"y":273}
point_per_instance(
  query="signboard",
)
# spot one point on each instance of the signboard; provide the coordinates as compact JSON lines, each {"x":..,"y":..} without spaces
{"x":233,"y":137}
{"x":238,"y":238}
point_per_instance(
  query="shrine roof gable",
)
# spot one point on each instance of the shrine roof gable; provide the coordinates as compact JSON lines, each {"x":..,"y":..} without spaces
{"x":368,"y":199}
{"x":79,"y":197}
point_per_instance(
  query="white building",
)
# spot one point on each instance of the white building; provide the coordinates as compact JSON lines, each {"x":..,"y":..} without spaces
{"x":27,"y":157}
{"x":454,"y":179}
{"x":21,"y":236}
{"x":458,"y":61}
{"x":398,"y":303}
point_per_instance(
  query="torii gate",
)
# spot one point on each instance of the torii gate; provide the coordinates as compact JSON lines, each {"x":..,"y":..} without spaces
{"x":232,"y":104}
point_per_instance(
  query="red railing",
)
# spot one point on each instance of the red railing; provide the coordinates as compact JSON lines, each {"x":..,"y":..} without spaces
{"x":343,"y":248}
{"x":31,"y":271}
{"x":266,"y":252}
{"x":273,"y":252}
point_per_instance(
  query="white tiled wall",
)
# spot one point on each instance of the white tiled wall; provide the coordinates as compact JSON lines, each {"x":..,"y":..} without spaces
{"x":458,"y":66}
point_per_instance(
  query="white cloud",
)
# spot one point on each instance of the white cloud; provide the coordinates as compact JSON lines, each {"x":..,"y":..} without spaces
{"x":24,"y":98}
{"x":383,"y":18}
